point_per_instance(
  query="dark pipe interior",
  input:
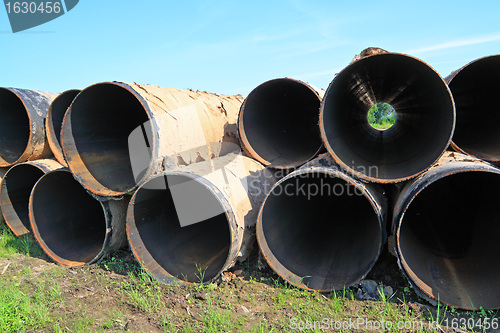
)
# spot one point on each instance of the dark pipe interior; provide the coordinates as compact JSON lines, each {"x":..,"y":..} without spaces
{"x":70,"y":222}
{"x":332,"y":240}
{"x":14,"y":126}
{"x":58,"y":109}
{"x":475,"y":89}
{"x":423,"y":106}
{"x":192,"y":253}
{"x":280,"y":120}
{"x":15,"y":195}
{"x":102,"y":118}
{"x":449,"y":239}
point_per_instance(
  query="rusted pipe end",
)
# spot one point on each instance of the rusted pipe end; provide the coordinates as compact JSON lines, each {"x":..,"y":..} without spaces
{"x":425,"y":118}
{"x":447,"y":235}
{"x":71,"y":226}
{"x":278,"y":123}
{"x":95,"y":135}
{"x":321,"y":230}
{"x":474,"y":88}
{"x":53,"y":123}
{"x":16,"y":189}
{"x":195,"y":253}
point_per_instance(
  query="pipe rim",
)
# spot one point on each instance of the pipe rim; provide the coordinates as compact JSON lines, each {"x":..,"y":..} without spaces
{"x":361,"y":175}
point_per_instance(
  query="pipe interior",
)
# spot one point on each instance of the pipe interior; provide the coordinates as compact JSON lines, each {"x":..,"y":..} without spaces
{"x":102,"y":118}
{"x":474,"y":89}
{"x":58,"y":109}
{"x":70,"y":222}
{"x":15,"y":195}
{"x":449,"y":238}
{"x":332,"y":240}
{"x":192,"y":253}
{"x":280,"y":120}
{"x":14,"y":126}
{"x":424,"y":116}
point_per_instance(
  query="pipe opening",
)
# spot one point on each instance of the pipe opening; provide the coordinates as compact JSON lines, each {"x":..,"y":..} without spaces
{"x":448,"y":240}
{"x":56,"y":113}
{"x":69,"y":224}
{"x":328,"y":235}
{"x":15,"y":193}
{"x":280,"y":121}
{"x":424,"y":120}
{"x":14,"y":126}
{"x":102,"y":118}
{"x":474,"y":89}
{"x":381,"y":116}
{"x":193,"y":253}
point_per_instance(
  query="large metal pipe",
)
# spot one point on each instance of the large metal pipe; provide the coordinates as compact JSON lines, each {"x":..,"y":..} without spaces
{"x":193,"y":223}
{"x":53,"y":123}
{"x":447,"y":233}
{"x":425,"y":118}
{"x":72,"y":227}
{"x":22,"y":116}
{"x":15,"y":192}
{"x":320,"y":229}
{"x":278,"y":123}
{"x":474,"y":88}
{"x":177,"y":126}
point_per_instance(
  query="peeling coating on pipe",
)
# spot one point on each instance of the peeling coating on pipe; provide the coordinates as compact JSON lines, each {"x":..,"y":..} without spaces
{"x":320,"y":229}
{"x":15,"y":192}
{"x":71,"y":226}
{"x":54,"y":120}
{"x":425,"y":118}
{"x":447,"y":231}
{"x":22,"y":117}
{"x":181,"y":124}
{"x":475,"y":88}
{"x":172,"y":251}
{"x":278,"y":123}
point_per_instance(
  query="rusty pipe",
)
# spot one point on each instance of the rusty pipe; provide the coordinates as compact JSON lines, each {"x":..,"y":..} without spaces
{"x":71,"y":226}
{"x":320,"y":229}
{"x":15,"y":192}
{"x":474,"y":88}
{"x":192,"y":223}
{"x":22,"y":116}
{"x":178,"y":124}
{"x":447,"y":231}
{"x":53,"y":122}
{"x":278,"y":123}
{"x":425,"y":118}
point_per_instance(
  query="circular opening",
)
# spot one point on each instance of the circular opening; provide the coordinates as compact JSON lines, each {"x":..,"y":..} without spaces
{"x":425,"y":117}
{"x":14,"y":126}
{"x":322,"y":229}
{"x":381,"y":116}
{"x":280,"y":122}
{"x":102,"y":118}
{"x":15,"y":195}
{"x":448,"y":240}
{"x":474,"y":89}
{"x":69,"y":224}
{"x":56,"y":113}
{"x":193,"y":250}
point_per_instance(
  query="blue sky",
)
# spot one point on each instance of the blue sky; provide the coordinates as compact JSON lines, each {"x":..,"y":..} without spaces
{"x":230,"y":47}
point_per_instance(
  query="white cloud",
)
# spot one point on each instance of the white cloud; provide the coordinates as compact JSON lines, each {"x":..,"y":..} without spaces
{"x":456,"y":43}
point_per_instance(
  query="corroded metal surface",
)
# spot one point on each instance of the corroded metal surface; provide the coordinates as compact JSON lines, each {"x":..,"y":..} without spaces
{"x":181,"y":125}
{"x":232,"y":186}
{"x":425,"y":118}
{"x":15,"y":192}
{"x":54,"y":120}
{"x":71,"y":226}
{"x":446,"y":230}
{"x":320,"y":229}
{"x":475,"y":88}
{"x":278,"y":123}
{"x":22,"y":117}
